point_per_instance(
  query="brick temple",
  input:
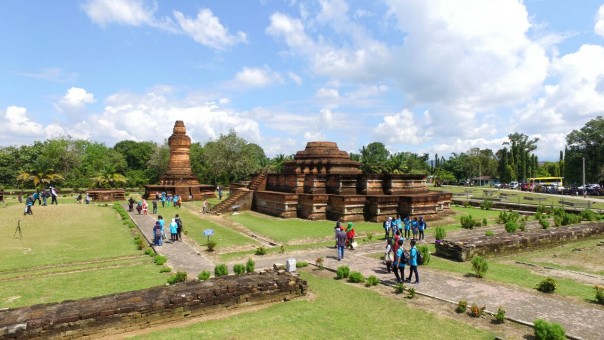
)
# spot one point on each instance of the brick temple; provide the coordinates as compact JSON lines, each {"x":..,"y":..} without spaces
{"x":324,"y":183}
{"x":179,"y":178}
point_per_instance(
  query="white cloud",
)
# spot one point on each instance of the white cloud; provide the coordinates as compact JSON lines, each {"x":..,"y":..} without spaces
{"x":18,"y":126}
{"x":207,"y":30}
{"x":257,"y":77}
{"x":54,"y":74}
{"x":599,"y":26}
{"x":73,"y":104}
{"x":296,"y":78}
{"x":401,"y":128}
{"x":127,"y":12}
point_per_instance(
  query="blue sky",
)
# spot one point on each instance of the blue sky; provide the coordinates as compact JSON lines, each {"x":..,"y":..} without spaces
{"x":432,"y":76}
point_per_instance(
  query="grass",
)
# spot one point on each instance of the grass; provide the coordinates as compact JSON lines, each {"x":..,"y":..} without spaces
{"x":65,"y":252}
{"x":226,"y":257}
{"x":194,"y":226}
{"x":287,"y":230}
{"x":332,"y":314}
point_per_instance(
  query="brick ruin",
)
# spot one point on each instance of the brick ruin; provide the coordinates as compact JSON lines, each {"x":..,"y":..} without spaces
{"x":179,"y":178}
{"x":509,"y":243}
{"x":109,"y":315}
{"x":323,"y":182}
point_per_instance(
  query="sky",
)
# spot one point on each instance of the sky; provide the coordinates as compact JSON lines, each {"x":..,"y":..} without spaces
{"x":420,"y":76}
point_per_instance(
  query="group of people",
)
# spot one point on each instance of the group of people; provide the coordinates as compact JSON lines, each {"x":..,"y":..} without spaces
{"x":159,"y":234}
{"x":397,"y":257}
{"x":41,"y":197}
{"x":344,"y":238}
{"x":408,"y":228}
{"x":79,"y":198}
{"x":167,"y":199}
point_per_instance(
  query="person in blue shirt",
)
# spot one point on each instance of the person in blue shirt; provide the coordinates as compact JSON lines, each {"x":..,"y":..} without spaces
{"x":413,"y":263}
{"x":414,"y":228}
{"x":407,"y":223}
{"x":399,"y":224}
{"x":421,"y":226}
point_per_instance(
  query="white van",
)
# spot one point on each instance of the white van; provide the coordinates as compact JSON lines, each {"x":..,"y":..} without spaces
{"x":514,"y":185}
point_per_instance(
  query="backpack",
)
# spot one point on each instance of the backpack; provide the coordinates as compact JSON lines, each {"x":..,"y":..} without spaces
{"x":179,"y":223}
{"x":386,"y":225}
{"x":420,"y":259}
{"x":406,"y":256}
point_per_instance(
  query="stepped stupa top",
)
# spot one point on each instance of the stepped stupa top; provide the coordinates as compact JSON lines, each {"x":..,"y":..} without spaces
{"x":322,"y":158}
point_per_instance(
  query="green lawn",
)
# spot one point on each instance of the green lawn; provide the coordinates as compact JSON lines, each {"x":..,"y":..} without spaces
{"x":69,"y":251}
{"x":287,"y":230}
{"x":336,"y":311}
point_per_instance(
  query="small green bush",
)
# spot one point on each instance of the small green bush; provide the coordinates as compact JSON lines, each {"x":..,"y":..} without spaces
{"x":301,"y":264}
{"x":440,"y":233}
{"x":178,"y":277}
{"x":466,"y":204}
{"x":204,"y":275}
{"x":356,"y":277}
{"x":239,"y":269}
{"x":320,"y":261}
{"x":489,"y":233}
{"x":548,"y":331}
{"x":462,"y":306}
{"x":505,"y":217}
{"x":544,"y":210}
{"x":149,"y":252}
{"x":557,"y":220}
{"x":282,"y":249}
{"x":486,"y":205}
{"x":500,"y":315}
{"x":522,"y":223}
{"x":261,"y":250}
{"x":480,"y":266}
{"x":250,"y":265}
{"x":599,"y":294}
{"x":425,"y":251}
{"x":342,"y":272}
{"x":399,"y":288}
{"x":160,"y":260}
{"x":589,"y":215}
{"x":547,"y":286}
{"x":544,"y":223}
{"x":369,"y":236}
{"x":476,"y":311}
{"x":484,"y":221}
{"x":411,"y":292}
{"x":165,"y":269}
{"x":221,"y":270}
{"x":467,"y":221}
{"x":211,"y":245}
{"x":372,"y":281}
{"x":511,"y":226}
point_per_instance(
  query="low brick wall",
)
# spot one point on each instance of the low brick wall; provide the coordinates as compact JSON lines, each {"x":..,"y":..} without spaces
{"x":124,"y":312}
{"x":509,"y":243}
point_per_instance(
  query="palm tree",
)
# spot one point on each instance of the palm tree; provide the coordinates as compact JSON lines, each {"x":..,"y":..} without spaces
{"x":276,"y":163}
{"x":108,"y":178}
{"x":396,"y":164}
{"x":39,"y":174}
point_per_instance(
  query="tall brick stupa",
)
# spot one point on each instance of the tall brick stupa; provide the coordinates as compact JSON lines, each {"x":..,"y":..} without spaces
{"x":179,"y":178}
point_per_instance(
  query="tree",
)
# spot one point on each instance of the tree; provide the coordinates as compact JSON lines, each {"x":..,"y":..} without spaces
{"x":276,"y":163}
{"x":373,"y":158}
{"x":588,"y":143}
{"x":108,"y":178}
{"x":520,"y":150}
{"x":39,"y":174}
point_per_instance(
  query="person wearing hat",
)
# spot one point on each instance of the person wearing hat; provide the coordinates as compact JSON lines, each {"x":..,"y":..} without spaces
{"x":350,"y":235}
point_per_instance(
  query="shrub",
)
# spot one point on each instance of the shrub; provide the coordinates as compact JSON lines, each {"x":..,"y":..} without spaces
{"x":425,"y":254}
{"x":589,"y":215}
{"x":301,"y":264}
{"x":547,"y":286}
{"x":399,"y":288}
{"x":480,"y":266}
{"x":261,"y":250}
{"x":465,"y":204}
{"x":462,"y":306}
{"x":484,"y":221}
{"x":440,"y":233}
{"x":541,"y":209}
{"x":557,"y":220}
{"x":319,"y":261}
{"x":505,"y":217}
{"x":160,"y":260}
{"x":411,"y":292}
{"x":178,"y":277}
{"x":211,"y":245}
{"x":548,"y":331}
{"x":372,"y":281}
{"x":342,"y":272}
{"x":599,"y":294}
{"x":250,"y":265}
{"x":281,"y":249}
{"x":165,"y":269}
{"x":221,"y":270}
{"x":500,"y":315}
{"x":149,"y":252}
{"x":522,"y":223}
{"x":544,"y":223}
{"x":204,"y":275}
{"x":369,"y":236}
{"x":476,"y":311}
{"x":486,"y":205}
{"x":511,"y":226}
{"x":467,"y":221}
{"x":239,"y":269}
{"x":356,"y":277}
{"x":489,"y":233}
{"x":139,"y":243}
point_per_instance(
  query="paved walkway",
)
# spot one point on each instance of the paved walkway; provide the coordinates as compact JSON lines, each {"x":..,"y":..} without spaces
{"x":182,"y":255}
{"x":580,"y":319}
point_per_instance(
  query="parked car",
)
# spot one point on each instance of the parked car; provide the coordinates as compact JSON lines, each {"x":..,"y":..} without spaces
{"x":514,"y":185}
{"x":497,"y":185}
{"x":525,"y":186}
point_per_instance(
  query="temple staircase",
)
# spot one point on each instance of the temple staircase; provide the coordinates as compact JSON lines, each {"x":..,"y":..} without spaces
{"x":233,"y":199}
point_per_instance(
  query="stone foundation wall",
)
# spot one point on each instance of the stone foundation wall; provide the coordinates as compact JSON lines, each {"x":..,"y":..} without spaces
{"x":276,"y":203}
{"x":124,"y":312}
{"x":312,"y":207}
{"x":509,"y":243}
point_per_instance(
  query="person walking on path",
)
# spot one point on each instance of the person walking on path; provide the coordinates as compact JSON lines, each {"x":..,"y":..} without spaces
{"x":421,"y":226}
{"x":29,"y":201}
{"x":157,"y":234}
{"x":173,"y":231}
{"x":145,"y":207}
{"x":399,"y":262}
{"x":44,"y":197}
{"x":178,"y":227}
{"x":155,"y":206}
{"x":131,"y":202}
{"x":350,"y":235}
{"x":413,"y":263}
{"x":341,"y":240}
{"x":388,"y":255}
{"x":387,"y":227}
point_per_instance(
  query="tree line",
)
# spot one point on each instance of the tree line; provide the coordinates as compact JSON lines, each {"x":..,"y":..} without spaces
{"x":74,"y":163}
